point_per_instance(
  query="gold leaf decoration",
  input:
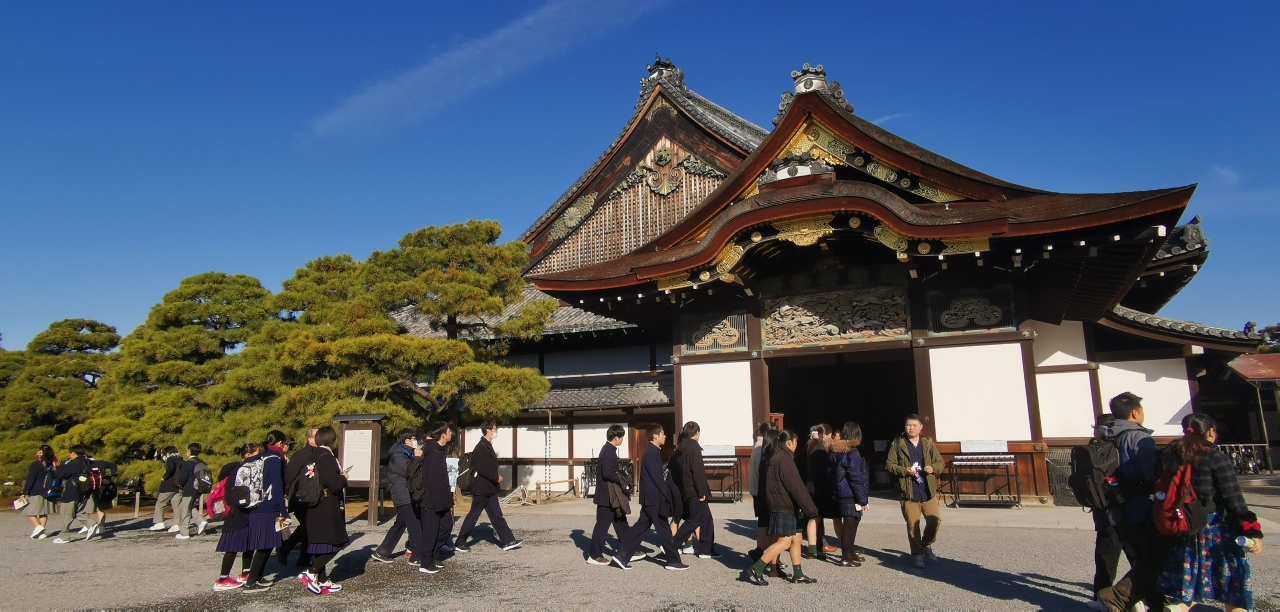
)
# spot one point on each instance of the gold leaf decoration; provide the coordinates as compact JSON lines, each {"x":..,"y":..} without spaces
{"x":955,"y":246}
{"x":728,"y":258}
{"x":805,"y":232}
{"x":573,"y":216}
{"x":673,"y":281}
{"x":890,"y":238}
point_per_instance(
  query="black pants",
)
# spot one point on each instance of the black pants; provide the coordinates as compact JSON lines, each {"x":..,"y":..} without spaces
{"x":436,"y":526}
{"x":1147,"y":552}
{"x":1106,"y":558}
{"x":488,"y":503}
{"x":298,"y":538}
{"x":407,"y":519}
{"x":699,"y":518}
{"x":605,"y":517}
{"x":635,"y":535}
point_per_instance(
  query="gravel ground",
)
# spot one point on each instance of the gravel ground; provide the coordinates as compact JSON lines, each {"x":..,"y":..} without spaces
{"x":991,"y":559}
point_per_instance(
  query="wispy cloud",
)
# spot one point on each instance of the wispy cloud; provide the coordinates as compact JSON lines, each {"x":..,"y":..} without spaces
{"x":403,"y":100}
{"x":887,"y":118}
{"x":1225,"y":193}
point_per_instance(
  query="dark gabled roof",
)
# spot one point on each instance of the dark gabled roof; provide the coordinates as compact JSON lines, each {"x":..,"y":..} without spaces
{"x":734,"y":129}
{"x":1172,"y":267}
{"x":566,"y":320}
{"x":1175,"y":330}
{"x":618,"y":395}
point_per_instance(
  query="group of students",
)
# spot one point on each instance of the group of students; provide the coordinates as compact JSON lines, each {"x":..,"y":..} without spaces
{"x":181,"y":485}
{"x":1209,"y":562}
{"x":80,"y":489}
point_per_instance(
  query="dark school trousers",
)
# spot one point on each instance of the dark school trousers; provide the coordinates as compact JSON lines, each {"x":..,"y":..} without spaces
{"x":407,"y":519}
{"x":604,"y":518}
{"x":699,"y":518}
{"x":436,"y":526}
{"x":635,"y":535}
{"x":1106,"y":553}
{"x":298,"y":539}
{"x":488,"y":503}
{"x":1147,"y":552}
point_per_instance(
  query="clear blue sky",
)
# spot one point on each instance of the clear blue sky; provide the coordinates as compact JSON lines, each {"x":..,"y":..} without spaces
{"x":144,"y":142}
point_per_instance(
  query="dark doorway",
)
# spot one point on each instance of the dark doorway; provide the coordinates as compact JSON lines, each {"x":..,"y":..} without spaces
{"x":875,"y":389}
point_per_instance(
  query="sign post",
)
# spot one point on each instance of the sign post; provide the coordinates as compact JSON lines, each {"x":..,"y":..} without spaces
{"x":359,"y":447}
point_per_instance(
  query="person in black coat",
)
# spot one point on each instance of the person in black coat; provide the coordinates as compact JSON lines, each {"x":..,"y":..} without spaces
{"x":437,"y":504}
{"x":298,"y":463}
{"x":169,"y":493}
{"x":327,"y":520}
{"x":484,"y":493}
{"x":33,"y":491}
{"x":692,"y":478}
{"x":609,"y":508}
{"x":69,"y":473}
{"x":654,"y":495}
{"x":849,"y":481}
{"x":408,"y":518}
{"x":188,"y":509}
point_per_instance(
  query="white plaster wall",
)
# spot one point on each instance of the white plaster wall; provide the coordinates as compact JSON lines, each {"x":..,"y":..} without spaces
{"x":1066,"y":405}
{"x":717,"y":396}
{"x":979,"y":393}
{"x":501,"y":441}
{"x":530,"y":475}
{"x":597,"y":361}
{"x":1058,"y":344}
{"x":587,"y":440}
{"x":1162,"y":385}
{"x":531,"y":441}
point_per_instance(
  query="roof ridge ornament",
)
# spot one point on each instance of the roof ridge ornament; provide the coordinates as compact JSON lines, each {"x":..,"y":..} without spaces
{"x":812,"y":79}
{"x":661,"y":70}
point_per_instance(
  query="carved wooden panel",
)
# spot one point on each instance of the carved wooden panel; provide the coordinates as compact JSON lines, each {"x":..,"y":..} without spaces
{"x":956,"y":312}
{"x":707,"y":334}
{"x":857,"y":315}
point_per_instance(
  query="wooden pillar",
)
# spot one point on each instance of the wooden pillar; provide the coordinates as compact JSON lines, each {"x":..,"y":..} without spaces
{"x":924,"y":391}
{"x":1039,"y":462}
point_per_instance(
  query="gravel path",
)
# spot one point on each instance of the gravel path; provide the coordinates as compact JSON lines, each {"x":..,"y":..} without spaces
{"x":991,"y":559}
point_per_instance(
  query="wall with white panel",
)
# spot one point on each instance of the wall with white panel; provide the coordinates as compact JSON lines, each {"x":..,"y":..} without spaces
{"x":501,"y":441}
{"x":1066,"y":404}
{"x":530,"y":474}
{"x":1161,"y":383}
{"x":587,"y":440}
{"x":717,"y":396}
{"x":531,"y":441}
{"x":979,"y":393}
{"x":1059,"y":344}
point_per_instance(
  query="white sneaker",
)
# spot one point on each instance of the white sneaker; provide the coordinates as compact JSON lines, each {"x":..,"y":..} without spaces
{"x":688,"y":550}
{"x":42,"y":536}
{"x":35,"y":532}
{"x":61,"y":541}
{"x":93,"y":530}
{"x":158,"y":527}
{"x":182,"y":536}
{"x":1139,"y":607}
{"x":83,"y":530}
{"x":173,"y":529}
{"x":201,"y":526}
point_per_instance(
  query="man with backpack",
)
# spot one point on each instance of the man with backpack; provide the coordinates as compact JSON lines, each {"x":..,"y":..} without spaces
{"x":194,"y":479}
{"x":484,"y":492}
{"x":297,"y":466}
{"x":104,"y":494}
{"x":77,"y":489}
{"x":399,"y":457}
{"x":431,"y":479}
{"x":1130,"y":508}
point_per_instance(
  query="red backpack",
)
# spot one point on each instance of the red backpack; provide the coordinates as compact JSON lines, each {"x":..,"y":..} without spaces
{"x":1176,"y":509}
{"x":218,"y":508}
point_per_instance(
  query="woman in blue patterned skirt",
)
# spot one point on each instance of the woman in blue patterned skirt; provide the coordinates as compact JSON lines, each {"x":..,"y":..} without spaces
{"x":1210,"y":565}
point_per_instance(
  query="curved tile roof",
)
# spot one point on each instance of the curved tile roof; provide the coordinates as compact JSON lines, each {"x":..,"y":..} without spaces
{"x":1183,"y":327}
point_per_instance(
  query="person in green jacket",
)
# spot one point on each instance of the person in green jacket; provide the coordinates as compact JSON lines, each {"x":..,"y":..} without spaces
{"x":915,"y":463}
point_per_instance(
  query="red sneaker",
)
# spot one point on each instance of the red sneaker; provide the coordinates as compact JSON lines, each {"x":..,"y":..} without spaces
{"x":243,"y":578}
{"x":227,"y":584}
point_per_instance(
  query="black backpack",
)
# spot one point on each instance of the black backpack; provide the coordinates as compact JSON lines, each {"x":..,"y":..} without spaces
{"x":465,"y":474}
{"x":107,"y":490}
{"x":306,"y":487}
{"x":416,"y":483}
{"x":87,"y":482}
{"x":1094,"y":478}
{"x":201,"y":478}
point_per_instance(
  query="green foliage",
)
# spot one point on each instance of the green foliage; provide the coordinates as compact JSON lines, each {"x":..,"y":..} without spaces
{"x":220,"y":360}
{"x":1270,"y":339}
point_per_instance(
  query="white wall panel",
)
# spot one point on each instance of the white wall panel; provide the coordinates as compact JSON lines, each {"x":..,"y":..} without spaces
{"x":530,"y":475}
{"x":597,"y":361}
{"x":531,"y":441}
{"x":1162,"y":385}
{"x":1059,"y":344}
{"x":587,"y":440}
{"x":501,"y":441}
{"x":717,"y":396}
{"x":979,"y":393}
{"x":1066,"y":404}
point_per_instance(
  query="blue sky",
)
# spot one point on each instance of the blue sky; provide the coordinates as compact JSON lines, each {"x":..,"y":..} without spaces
{"x":144,"y":142}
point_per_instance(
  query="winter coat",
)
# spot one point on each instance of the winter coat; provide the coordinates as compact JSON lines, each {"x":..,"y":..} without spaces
{"x":692,"y":475}
{"x":398,"y":459}
{"x":606,"y":473}
{"x":171,"y":465}
{"x":186,"y":477}
{"x":34,"y":486}
{"x":848,"y":475}
{"x":327,"y":521}
{"x":784,"y":488}
{"x":1139,"y":468}
{"x":273,"y":470}
{"x":68,"y":473}
{"x":435,"y":471}
{"x":653,"y":488}
{"x":484,"y":469}
{"x":297,"y":465}
{"x":899,"y":461}
{"x":237,"y":519}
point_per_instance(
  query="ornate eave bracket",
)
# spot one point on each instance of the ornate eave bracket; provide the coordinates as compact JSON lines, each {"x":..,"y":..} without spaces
{"x":806,"y":231}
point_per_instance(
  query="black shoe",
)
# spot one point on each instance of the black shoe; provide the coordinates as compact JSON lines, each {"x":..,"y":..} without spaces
{"x":414,"y":563}
{"x":513,"y":545}
{"x":462,"y":548}
{"x":381,"y":558}
{"x":804,"y":580}
{"x":709,"y":555}
{"x":257,"y":587}
{"x":756,"y":577}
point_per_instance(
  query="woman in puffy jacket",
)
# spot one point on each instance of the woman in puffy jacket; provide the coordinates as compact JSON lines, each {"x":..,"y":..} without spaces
{"x":850,"y":480}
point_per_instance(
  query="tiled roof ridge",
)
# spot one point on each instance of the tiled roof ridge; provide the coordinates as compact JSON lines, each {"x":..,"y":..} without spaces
{"x":733,"y":128}
{"x":1186,"y":327}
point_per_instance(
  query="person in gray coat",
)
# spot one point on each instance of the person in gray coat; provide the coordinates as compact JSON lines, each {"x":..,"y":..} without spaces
{"x":407,"y":519}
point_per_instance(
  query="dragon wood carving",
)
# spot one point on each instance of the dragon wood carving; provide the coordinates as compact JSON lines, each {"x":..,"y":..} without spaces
{"x":874,"y":313}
